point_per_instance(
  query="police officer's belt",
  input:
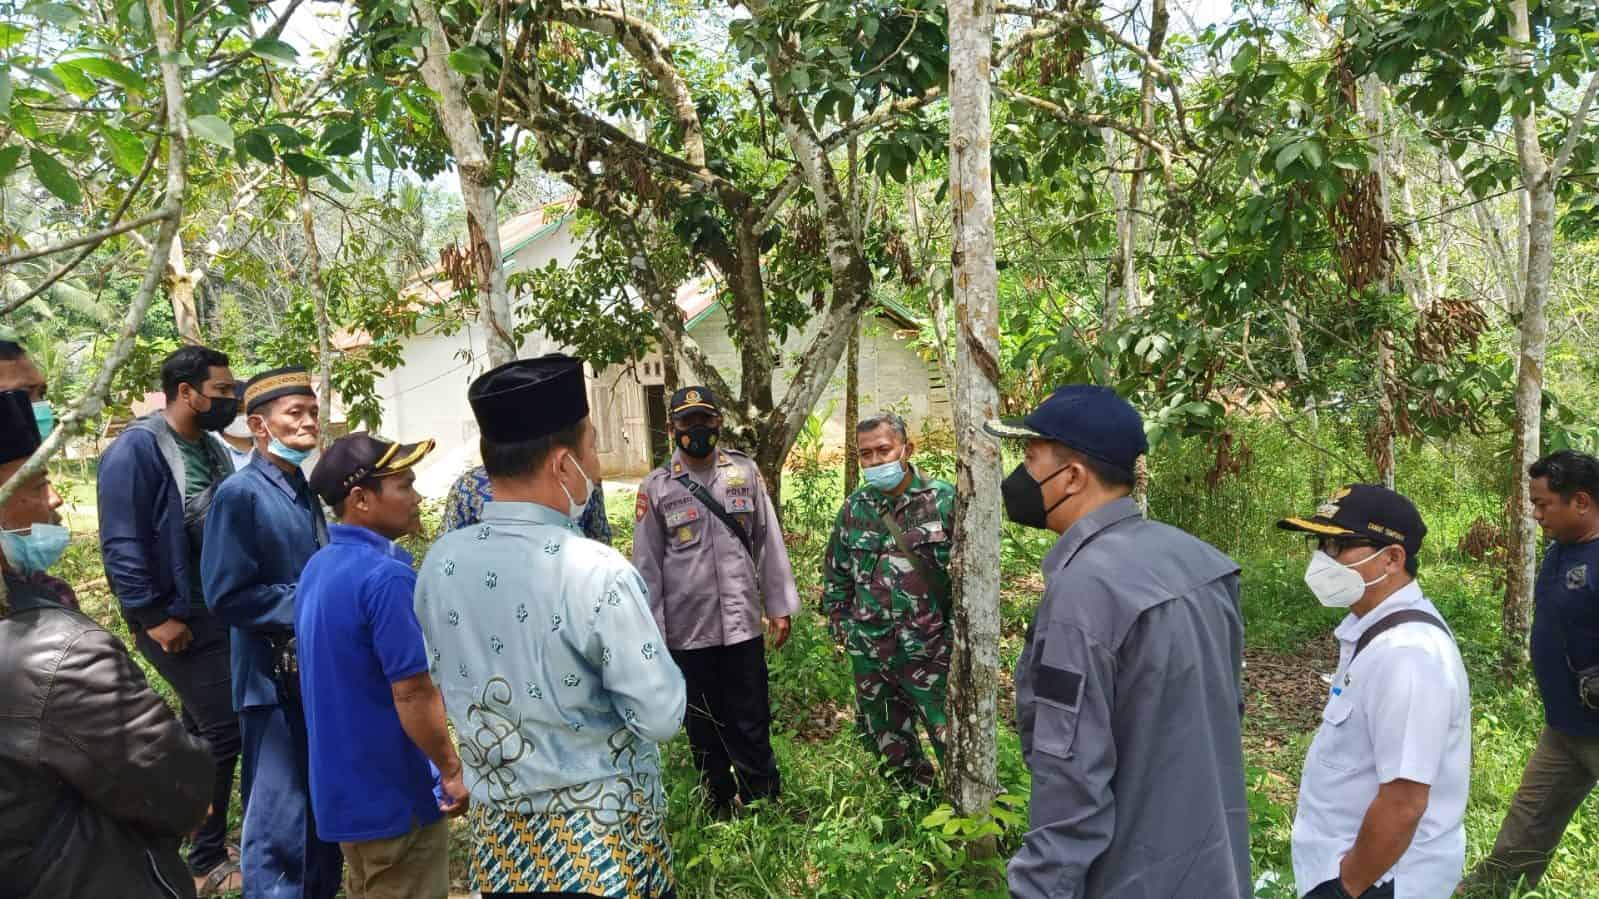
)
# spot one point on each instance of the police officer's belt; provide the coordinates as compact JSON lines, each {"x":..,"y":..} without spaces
{"x":715,"y":508}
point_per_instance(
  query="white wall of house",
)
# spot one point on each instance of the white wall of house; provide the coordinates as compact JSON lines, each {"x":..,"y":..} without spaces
{"x":426,"y":396}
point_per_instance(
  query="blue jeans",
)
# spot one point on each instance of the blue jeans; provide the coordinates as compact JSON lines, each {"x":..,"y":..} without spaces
{"x":281,"y":855}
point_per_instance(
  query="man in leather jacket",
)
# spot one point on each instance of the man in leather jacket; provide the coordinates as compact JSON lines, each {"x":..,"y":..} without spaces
{"x":98,"y":780}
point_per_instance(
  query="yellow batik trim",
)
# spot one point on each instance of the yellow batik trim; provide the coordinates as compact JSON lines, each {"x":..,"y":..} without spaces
{"x":276,"y":382}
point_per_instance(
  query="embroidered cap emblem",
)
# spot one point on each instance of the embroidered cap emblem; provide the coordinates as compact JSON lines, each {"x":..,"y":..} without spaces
{"x":693,"y":396}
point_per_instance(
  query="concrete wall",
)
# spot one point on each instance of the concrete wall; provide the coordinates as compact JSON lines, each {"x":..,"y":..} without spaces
{"x":426,"y":396}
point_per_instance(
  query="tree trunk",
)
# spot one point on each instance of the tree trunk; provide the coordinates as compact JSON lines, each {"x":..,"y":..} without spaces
{"x":319,"y":291}
{"x":971,"y":781}
{"x":1296,"y":345}
{"x":460,"y":125}
{"x":1387,"y":423}
{"x":852,"y":412}
{"x":1537,"y":239}
{"x":92,"y":402}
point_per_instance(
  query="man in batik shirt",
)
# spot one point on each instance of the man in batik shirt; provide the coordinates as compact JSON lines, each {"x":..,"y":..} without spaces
{"x":554,"y":674}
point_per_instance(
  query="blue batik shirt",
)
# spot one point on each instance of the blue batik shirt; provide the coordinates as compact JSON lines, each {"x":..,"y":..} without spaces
{"x":558,"y":683}
{"x":464,"y":506}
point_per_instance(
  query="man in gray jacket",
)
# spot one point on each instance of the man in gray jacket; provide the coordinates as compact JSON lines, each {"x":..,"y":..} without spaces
{"x":1128,"y":692}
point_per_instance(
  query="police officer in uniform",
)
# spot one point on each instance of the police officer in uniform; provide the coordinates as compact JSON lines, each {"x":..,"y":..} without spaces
{"x":709,"y":546}
{"x":1382,"y":800}
{"x":1128,"y":692}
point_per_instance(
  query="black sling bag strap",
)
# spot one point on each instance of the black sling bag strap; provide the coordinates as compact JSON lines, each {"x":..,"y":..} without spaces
{"x":938,"y":586}
{"x":715,"y":508}
{"x":1389,"y":622}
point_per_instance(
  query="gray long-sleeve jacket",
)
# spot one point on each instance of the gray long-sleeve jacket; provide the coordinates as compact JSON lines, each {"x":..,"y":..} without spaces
{"x":1130,"y":706}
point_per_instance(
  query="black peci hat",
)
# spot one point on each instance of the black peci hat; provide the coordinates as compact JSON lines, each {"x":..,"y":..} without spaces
{"x":529,"y":398}
{"x":19,"y":430}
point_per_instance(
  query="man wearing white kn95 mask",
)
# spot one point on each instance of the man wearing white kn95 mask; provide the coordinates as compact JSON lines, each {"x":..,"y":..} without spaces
{"x":1383,"y":796}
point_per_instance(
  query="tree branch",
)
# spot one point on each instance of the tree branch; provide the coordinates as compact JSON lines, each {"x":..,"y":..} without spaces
{"x":648,"y":46}
{"x":1578,"y":119}
{"x":90,"y":240}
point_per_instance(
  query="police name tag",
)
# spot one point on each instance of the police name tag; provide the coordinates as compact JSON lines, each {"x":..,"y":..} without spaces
{"x":740,"y":504}
{"x":681,"y":517}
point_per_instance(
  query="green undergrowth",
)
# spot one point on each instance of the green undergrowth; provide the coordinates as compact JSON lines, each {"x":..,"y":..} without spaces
{"x":839,"y":830}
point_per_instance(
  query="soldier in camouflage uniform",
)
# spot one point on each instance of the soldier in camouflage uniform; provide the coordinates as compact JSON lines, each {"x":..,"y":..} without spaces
{"x":889,"y":610}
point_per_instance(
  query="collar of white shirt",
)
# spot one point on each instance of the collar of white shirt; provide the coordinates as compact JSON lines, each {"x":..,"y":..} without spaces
{"x":1353,"y":627}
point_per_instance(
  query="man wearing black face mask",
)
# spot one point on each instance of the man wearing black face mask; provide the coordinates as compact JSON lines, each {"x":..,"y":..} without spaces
{"x":710,"y":549}
{"x":155,"y":486}
{"x":1131,"y":675}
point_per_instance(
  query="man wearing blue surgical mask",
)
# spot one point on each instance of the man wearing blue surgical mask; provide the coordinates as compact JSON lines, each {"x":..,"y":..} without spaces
{"x":886,"y":598}
{"x":263,"y":527}
{"x":98,"y":779}
{"x":1382,"y":800}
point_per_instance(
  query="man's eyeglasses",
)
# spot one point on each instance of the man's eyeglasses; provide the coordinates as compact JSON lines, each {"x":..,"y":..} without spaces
{"x":1336,"y":546}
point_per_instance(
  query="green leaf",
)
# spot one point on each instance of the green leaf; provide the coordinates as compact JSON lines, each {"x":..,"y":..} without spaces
{"x":127,"y":150}
{"x":54,"y":176}
{"x":274,"y":50}
{"x":342,"y":137}
{"x":257,"y":144}
{"x":9,"y":157}
{"x":1312,"y":154}
{"x":303,"y":165}
{"x":1288,"y":155}
{"x":11,"y":35}
{"x":212,"y":129}
{"x":76,"y":83}
{"x":58,"y":14}
{"x":470,"y":60}
{"x":112,"y":71}
{"x":5,"y":92}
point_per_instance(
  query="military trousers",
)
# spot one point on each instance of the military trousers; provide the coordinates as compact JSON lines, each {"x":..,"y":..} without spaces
{"x":1560,"y":774}
{"x":900,"y":681}
{"x":729,"y":721}
{"x":280,"y":854}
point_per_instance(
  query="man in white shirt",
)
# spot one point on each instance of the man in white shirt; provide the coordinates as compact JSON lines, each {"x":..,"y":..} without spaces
{"x":1382,"y":799}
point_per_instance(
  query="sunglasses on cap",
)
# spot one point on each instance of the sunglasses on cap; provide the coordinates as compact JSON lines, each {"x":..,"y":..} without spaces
{"x":1337,"y":546}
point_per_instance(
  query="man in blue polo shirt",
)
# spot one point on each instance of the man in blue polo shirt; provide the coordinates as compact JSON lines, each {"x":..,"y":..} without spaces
{"x":1565,"y":659}
{"x":375,"y":720}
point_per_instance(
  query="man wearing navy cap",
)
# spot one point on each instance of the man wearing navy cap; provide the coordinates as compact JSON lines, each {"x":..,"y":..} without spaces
{"x":1382,"y":800}
{"x":1131,"y":675}
{"x":263,"y":526}
{"x":373,"y":716}
{"x":554,"y":674}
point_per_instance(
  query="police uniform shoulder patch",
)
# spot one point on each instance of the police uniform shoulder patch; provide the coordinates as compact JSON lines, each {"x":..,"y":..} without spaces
{"x":1577,"y":577}
{"x":641,"y":506}
{"x":1060,"y":685}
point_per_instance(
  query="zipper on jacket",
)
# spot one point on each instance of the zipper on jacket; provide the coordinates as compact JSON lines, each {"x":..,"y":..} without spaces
{"x":161,"y":881}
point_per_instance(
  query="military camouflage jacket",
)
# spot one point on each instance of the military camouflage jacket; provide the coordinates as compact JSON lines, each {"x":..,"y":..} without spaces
{"x":870,"y":588}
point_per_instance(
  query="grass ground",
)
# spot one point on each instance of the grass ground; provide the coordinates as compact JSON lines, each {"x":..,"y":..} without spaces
{"x":840,"y":831}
